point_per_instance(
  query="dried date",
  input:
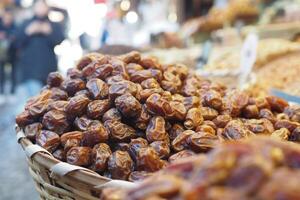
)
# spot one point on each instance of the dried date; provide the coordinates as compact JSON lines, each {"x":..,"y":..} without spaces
{"x":128,"y":105}
{"x":120,"y":165}
{"x":182,"y":141}
{"x":71,"y":86}
{"x":54,"y":79}
{"x":203,"y":141}
{"x":156,"y":129}
{"x":112,"y":114}
{"x":56,"y":121}
{"x":193,"y":118}
{"x":80,"y":156}
{"x":97,"y":108}
{"x":32,"y":130}
{"x":94,"y":134}
{"x":119,"y":131}
{"x":162,"y":148}
{"x":77,"y":105}
{"x":98,"y":88}
{"x":148,"y":160}
{"x":48,"y":140}
{"x":100,"y":155}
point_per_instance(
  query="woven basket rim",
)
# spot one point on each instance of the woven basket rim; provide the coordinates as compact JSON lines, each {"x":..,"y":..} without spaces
{"x":85,"y":176}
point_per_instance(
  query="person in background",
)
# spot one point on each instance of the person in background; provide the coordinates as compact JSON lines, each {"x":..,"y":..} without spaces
{"x":35,"y":40}
{"x":7,"y":49}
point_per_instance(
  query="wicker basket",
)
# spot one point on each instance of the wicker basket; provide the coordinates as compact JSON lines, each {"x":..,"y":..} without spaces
{"x":56,"y":180}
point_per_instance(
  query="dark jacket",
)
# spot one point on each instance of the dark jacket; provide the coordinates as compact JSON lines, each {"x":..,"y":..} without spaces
{"x":9,"y":38}
{"x":36,"y":57}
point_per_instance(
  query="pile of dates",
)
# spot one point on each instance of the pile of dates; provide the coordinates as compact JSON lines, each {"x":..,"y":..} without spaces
{"x":128,"y":116}
{"x":248,"y":169}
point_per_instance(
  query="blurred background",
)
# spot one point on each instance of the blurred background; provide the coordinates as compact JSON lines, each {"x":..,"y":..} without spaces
{"x":41,"y":36}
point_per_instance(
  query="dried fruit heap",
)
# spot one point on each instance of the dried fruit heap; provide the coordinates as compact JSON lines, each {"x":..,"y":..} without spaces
{"x":252,"y":169}
{"x":126,"y":117}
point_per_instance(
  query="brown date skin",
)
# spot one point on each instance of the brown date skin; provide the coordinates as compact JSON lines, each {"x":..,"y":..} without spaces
{"x":293,"y":112}
{"x":48,"y":140}
{"x":102,"y":71}
{"x":171,"y":82}
{"x":88,"y":58}
{"x":251,"y":111}
{"x":133,"y":67}
{"x":286,"y":124}
{"x":208,"y":113}
{"x":193,"y":118}
{"x":97,"y":108}
{"x":156,"y":129}
{"x":135,"y":145}
{"x":295,"y":135}
{"x":282,"y":133}
{"x":39,"y":108}
{"x":267,"y":114}
{"x":70,"y":135}
{"x":43,"y":96}
{"x":24,"y":118}
{"x":148,"y":160}
{"x":150,"y":83}
{"x":206,"y":129}
{"x":58,"y":105}
{"x":77,"y":105}
{"x":262,"y":103}
{"x":235,"y":129}
{"x":131,"y":57}
{"x":261,"y":126}
{"x":181,"y":141}
{"x":118,"y":67}
{"x":162,"y":148}
{"x":222,"y":120}
{"x":150,"y":63}
{"x":175,"y":130}
{"x":80,"y":156}
{"x":180,"y":155}
{"x":58,"y":94}
{"x":97,"y":88}
{"x":31,"y":130}
{"x":89,"y":69}
{"x":202,"y":141}
{"x":191,"y":102}
{"x":247,"y":179}
{"x":112,"y":114}
{"x":56,"y":121}
{"x":54,"y":79}
{"x":128,"y":105}
{"x":120,"y":165}
{"x":82,"y":123}
{"x":100,"y":155}
{"x":136,"y":176}
{"x":142,"y":120}
{"x":145,"y":74}
{"x":114,"y":79}
{"x":74,"y":73}
{"x":146,"y":93}
{"x":277,"y":104}
{"x":59,"y":154}
{"x":235,"y":101}
{"x":212,"y":99}
{"x":120,"y":88}
{"x":119,"y":131}
{"x":157,"y":105}
{"x":71,"y":143}
{"x":94,"y":134}
{"x":161,"y":105}
{"x":71,"y":86}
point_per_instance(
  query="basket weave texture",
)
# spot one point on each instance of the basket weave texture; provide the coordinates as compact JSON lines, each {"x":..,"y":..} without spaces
{"x":79,"y":184}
